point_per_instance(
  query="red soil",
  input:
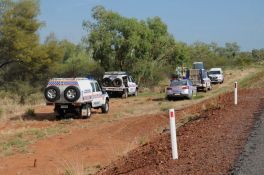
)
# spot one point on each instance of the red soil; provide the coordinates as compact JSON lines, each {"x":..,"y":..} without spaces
{"x":208,"y":145}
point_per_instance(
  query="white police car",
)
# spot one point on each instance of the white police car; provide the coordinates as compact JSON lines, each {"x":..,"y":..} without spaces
{"x":76,"y":95}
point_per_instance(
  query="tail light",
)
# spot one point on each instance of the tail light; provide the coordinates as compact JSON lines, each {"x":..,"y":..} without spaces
{"x":185,"y":87}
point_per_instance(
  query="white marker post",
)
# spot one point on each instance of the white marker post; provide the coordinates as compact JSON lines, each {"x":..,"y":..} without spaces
{"x":235,"y":93}
{"x":173,"y":134}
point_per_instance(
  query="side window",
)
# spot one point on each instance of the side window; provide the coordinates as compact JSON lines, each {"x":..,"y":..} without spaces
{"x":97,"y":87}
{"x":125,"y":80}
{"x":129,"y":79}
{"x":132,"y":79}
{"x":190,"y":83}
{"x":93,"y":87}
{"x":204,"y":74}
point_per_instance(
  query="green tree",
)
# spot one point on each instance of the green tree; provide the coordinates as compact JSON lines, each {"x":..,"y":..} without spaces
{"x":18,"y":31}
{"x":68,"y":49}
{"x":79,"y":63}
{"x":100,"y":39}
{"x":231,"y":50}
{"x":201,"y":52}
{"x":120,"y":43}
{"x":49,"y":59}
{"x":19,"y":39}
{"x":257,"y":55}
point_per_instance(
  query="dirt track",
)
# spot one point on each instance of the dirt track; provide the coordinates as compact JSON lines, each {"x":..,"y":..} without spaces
{"x":93,"y":146}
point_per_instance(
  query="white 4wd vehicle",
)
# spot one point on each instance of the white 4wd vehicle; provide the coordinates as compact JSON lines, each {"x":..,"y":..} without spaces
{"x":119,"y":83}
{"x":76,"y":95}
{"x":216,"y":75}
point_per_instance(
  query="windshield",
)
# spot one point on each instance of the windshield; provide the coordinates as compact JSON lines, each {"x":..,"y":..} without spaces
{"x":214,"y":72}
{"x":178,"y":83}
{"x":198,"y":66}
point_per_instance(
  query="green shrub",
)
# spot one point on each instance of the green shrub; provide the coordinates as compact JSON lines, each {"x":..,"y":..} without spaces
{"x":30,"y":112}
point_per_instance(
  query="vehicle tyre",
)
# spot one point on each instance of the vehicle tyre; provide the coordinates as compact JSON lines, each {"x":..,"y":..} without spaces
{"x":136,"y":93}
{"x":125,"y":94}
{"x":71,"y":93}
{"x":61,"y":113}
{"x":117,"y":82}
{"x":105,"y":107}
{"x":211,"y":87}
{"x":52,"y":93}
{"x":88,"y":109}
{"x":107,"y":82}
{"x":190,"y":96}
{"x":205,"y":89}
{"x":168,"y":98}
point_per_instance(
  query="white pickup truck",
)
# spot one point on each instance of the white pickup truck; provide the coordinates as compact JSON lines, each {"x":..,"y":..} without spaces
{"x":120,"y":84}
{"x":216,"y":75}
{"x":76,"y":95}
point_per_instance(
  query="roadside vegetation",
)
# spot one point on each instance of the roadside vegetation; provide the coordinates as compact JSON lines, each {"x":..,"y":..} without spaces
{"x":253,"y":81}
{"x":12,"y":108}
{"x":144,"y":48}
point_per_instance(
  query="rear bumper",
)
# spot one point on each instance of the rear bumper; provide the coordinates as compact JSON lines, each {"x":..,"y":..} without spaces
{"x":200,"y":86}
{"x":177,"y":95}
{"x":67,"y":108}
{"x":114,"y":89}
{"x":217,"y":81}
{"x":184,"y":93}
{"x":61,"y":104}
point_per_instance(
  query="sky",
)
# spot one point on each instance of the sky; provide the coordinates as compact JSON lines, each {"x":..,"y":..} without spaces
{"x":189,"y":21}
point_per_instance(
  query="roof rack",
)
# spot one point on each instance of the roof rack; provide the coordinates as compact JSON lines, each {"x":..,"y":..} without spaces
{"x":77,"y":78}
{"x":116,"y":73}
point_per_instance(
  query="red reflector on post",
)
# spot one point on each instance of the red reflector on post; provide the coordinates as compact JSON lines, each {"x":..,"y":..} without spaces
{"x":171,"y":114}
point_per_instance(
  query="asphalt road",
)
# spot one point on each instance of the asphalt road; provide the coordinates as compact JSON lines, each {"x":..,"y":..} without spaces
{"x":251,"y":161}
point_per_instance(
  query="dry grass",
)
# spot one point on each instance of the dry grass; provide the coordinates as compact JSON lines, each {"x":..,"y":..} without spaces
{"x":10,"y":106}
{"x":17,"y":140}
{"x":143,"y":139}
{"x":165,"y":106}
{"x":254,"y":80}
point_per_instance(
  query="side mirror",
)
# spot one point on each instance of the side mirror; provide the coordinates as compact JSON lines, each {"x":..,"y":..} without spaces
{"x":104,"y":91}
